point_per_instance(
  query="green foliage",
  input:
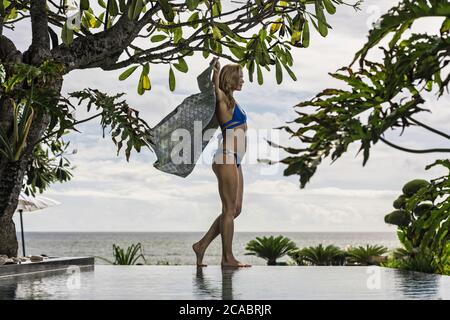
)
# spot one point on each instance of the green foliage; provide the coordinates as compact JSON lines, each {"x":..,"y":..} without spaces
{"x":364,"y":255}
{"x":417,"y":259}
{"x":125,"y":124}
{"x":270,"y":248}
{"x":49,"y":164}
{"x":424,"y":223}
{"x":23,"y":115}
{"x":399,"y":218}
{"x":413,"y":186}
{"x":422,"y":209}
{"x":128,"y":256}
{"x":381,"y":96}
{"x":400,"y":202}
{"x":278,"y":26}
{"x":320,"y":256}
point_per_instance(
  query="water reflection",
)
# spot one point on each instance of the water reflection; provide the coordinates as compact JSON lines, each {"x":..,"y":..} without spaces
{"x":210,"y":288}
{"x":414,"y":285}
{"x":29,"y":287}
{"x":8,"y":290}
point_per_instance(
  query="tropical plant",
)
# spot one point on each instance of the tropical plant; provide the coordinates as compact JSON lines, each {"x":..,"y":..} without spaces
{"x":297,"y":257}
{"x":380,"y":96}
{"x":423,"y":223}
{"x":270,"y":248}
{"x":130,"y":256}
{"x":320,"y":256}
{"x":259,"y":35}
{"x":365,"y":255}
{"x":384,"y":96}
{"x":417,"y":259}
{"x":22,"y":119}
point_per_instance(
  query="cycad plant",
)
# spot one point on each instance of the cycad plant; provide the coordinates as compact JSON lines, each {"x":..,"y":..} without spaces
{"x":363,"y":255}
{"x":322,"y":256}
{"x":270,"y":248}
{"x":126,"y":257}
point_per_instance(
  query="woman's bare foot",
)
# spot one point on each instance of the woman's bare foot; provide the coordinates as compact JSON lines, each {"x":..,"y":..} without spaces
{"x":233,"y":263}
{"x":199,"y":252}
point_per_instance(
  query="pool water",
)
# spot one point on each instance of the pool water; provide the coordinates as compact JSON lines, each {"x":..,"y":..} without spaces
{"x":256,"y":283}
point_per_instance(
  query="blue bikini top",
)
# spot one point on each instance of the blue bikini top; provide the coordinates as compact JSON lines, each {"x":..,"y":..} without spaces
{"x":239,"y":117}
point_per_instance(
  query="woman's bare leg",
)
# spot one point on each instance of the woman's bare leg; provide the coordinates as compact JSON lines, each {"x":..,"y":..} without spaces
{"x":201,"y":246}
{"x":228,"y":183}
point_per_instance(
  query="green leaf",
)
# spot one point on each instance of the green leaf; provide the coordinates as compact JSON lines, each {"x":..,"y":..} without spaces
{"x":445,"y":26}
{"x":181,"y":65}
{"x":278,"y":71}
{"x":323,"y":28}
{"x":216,"y":33}
{"x":192,"y":4}
{"x":146,"y":68}
{"x":67,"y":35}
{"x":113,"y":8}
{"x":216,"y":9}
{"x":124,"y":75}
{"x":171,"y":79}
{"x":296,"y":36}
{"x":262,"y":34}
{"x":260,"y":75}
{"x":177,"y":34}
{"x":102,"y":4}
{"x":122,"y":5}
{"x":194,"y":17}
{"x":290,"y":72}
{"x":167,"y":10}
{"x":237,"y":51}
{"x":84,"y":4}
{"x":135,"y":9}
{"x":331,"y":9}
{"x":251,"y":69}
{"x":98,"y":22}
{"x":305,"y":35}
{"x":158,"y":38}
{"x":205,"y":53}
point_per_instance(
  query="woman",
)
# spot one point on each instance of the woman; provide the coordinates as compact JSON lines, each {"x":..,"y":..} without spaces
{"x":227,"y":162}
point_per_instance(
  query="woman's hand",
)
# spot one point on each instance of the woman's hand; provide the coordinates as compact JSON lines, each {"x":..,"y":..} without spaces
{"x":216,"y":63}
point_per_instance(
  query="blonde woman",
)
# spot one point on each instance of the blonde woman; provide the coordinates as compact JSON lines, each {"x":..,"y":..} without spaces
{"x":227,"y":162}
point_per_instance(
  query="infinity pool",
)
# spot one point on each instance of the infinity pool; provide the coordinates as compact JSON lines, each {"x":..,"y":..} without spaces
{"x":257,"y":282}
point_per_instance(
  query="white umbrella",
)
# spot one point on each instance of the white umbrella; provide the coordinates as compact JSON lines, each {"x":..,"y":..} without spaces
{"x":28,"y":204}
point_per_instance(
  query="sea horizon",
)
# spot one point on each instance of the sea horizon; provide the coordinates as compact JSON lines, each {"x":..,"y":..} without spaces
{"x":174,"y":247}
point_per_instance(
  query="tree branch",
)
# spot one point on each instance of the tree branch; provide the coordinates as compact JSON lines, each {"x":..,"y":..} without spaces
{"x":412,"y":150}
{"x":429,"y":128}
{"x":8,"y":54}
{"x":103,"y":47}
{"x":149,"y":55}
{"x":40,"y":43}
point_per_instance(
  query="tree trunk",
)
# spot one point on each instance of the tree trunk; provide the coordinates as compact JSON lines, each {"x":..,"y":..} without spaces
{"x":11,"y":181}
{"x":10,"y":186}
{"x":272,"y":262}
{"x":12,"y":172}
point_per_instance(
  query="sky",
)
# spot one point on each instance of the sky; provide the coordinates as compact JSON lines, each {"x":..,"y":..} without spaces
{"x":108,"y":193}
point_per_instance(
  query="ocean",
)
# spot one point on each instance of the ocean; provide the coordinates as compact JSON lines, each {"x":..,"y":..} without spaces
{"x":174,"y":248}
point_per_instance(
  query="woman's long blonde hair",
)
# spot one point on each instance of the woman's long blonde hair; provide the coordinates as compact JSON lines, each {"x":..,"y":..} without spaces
{"x":229,"y":80}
